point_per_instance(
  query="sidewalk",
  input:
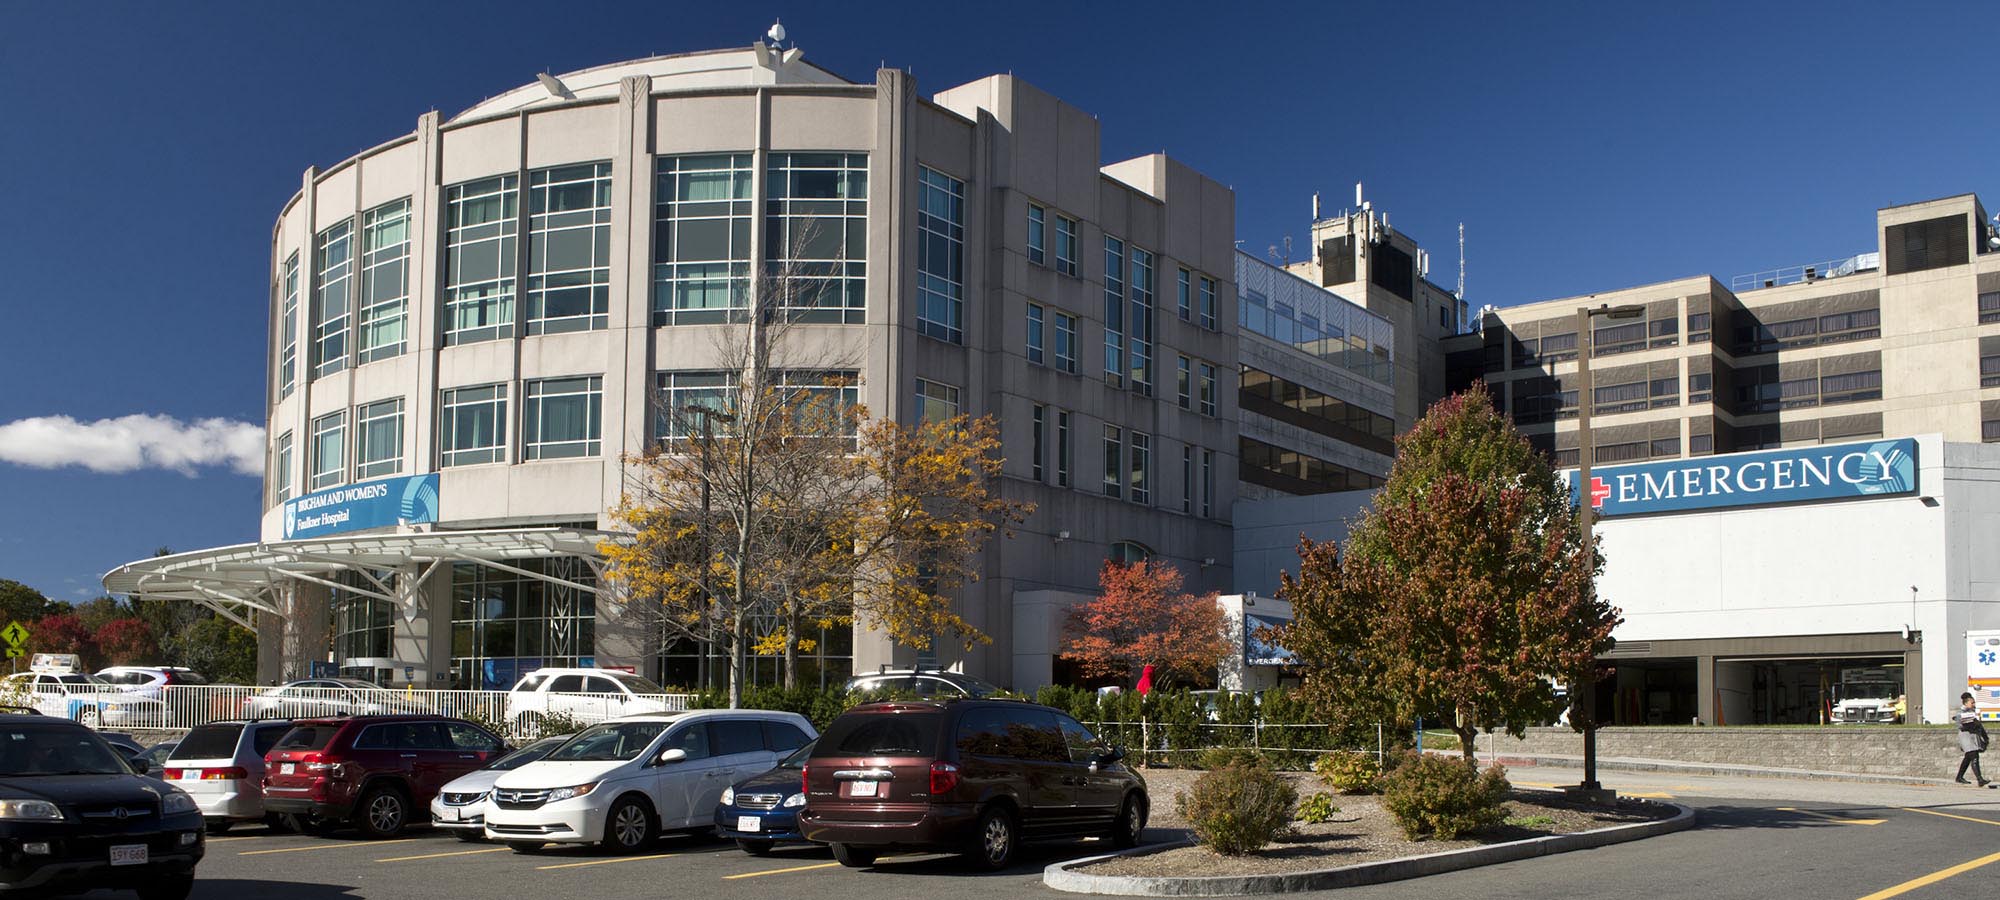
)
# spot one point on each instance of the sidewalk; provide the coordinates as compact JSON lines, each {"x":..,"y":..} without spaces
{"x":1762,"y":787}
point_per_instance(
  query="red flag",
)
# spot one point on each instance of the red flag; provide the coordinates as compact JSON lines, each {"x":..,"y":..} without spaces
{"x":1145,"y":680}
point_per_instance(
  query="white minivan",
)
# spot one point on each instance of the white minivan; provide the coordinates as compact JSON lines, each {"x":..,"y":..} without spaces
{"x":621,"y":783}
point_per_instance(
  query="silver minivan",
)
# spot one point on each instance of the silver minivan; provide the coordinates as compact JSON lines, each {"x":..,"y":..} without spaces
{"x":221,"y":765}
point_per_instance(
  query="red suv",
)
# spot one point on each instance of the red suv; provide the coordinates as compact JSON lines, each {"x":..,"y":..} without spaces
{"x":373,"y":770}
{"x":976,"y":776}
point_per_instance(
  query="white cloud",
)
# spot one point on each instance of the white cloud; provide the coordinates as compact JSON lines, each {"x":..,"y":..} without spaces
{"x":130,"y":443}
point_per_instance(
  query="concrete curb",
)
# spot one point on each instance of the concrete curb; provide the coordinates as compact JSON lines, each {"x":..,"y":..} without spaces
{"x":1687,"y":768}
{"x":1065,"y":877}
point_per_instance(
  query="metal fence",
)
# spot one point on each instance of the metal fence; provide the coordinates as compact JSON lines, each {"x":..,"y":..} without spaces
{"x":1293,"y":744}
{"x":181,"y":707}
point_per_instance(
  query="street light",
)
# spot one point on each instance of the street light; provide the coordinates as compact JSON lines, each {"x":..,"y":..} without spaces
{"x":1586,"y":694}
{"x":708,"y":416}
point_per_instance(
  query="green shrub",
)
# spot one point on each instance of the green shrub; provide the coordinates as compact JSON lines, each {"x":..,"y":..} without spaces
{"x":1530,"y":821}
{"x":1223,"y":757}
{"x":1444,"y":797}
{"x":1239,"y":808}
{"x":1348,"y":771}
{"x":1317,"y":808}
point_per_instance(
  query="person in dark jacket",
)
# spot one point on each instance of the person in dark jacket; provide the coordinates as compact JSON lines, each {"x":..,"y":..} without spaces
{"x":1971,"y":738}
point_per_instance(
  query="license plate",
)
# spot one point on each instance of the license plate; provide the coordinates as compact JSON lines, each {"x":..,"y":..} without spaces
{"x":862,"y":789}
{"x":190,"y":775}
{"x":749,"y":823}
{"x":128,"y":855}
{"x":287,"y":768}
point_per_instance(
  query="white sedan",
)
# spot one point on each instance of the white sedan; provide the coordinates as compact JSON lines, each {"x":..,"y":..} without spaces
{"x":85,"y":698}
{"x":460,"y":807}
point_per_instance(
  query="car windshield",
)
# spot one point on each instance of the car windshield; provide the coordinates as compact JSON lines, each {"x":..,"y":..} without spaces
{"x":798,"y":758}
{"x":214,"y":741}
{"x":880,"y":734}
{"x":56,"y":751}
{"x":615,"y":741}
{"x":638,"y":684}
{"x":76,"y":684}
{"x":527,"y":754}
{"x":355,"y":684}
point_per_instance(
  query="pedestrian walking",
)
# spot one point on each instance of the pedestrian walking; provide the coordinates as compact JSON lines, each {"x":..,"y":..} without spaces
{"x":1971,"y":738}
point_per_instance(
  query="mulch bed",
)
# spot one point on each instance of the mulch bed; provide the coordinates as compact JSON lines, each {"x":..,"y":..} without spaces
{"x":1361,"y":832}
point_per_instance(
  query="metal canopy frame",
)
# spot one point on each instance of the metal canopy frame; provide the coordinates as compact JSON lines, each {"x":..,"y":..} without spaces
{"x":238,"y":580}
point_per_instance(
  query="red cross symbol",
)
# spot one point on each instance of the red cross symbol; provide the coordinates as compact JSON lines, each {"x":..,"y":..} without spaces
{"x":1599,"y":492}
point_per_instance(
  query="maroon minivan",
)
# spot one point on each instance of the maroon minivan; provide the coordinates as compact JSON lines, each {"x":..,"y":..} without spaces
{"x":973,"y":776}
{"x":373,"y":770}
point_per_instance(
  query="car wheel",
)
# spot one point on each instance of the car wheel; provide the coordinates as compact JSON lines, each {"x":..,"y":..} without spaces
{"x":382,"y":812}
{"x":755,"y":848}
{"x":854,"y":857}
{"x":470,"y":837}
{"x":1131,"y":823}
{"x":171,"y":887}
{"x":219,"y":826}
{"x":995,"y":839}
{"x":629,"y":826}
{"x":525,"y":846}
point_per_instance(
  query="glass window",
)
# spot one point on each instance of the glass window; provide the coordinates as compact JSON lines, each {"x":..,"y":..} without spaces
{"x":466,"y":736}
{"x":1183,"y":295}
{"x":288,"y":329}
{"x":482,"y":224}
{"x":816,"y":235}
{"x":1114,"y":461}
{"x":1187,"y":478}
{"x":1114,"y":310}
{"x":1207,"y":394}
{"x":680,"y":391}
{"x":363,"y":626}
{"x":385,"y":280}
{"x":734,"y":736}
{"x":1207,"y":483}
{"x":1035,"y":333}
{"x":1184,"y":382}
{"x":1140,"y":325}
{"x":562,"y":417}
{"x":1066,"y":245}
{"x":936,"y":402}
{"x":504,"y":624}
{"x":1989,"y":306}
{"x":701,"y":243}
{"x":1040,"y":452}
{"x":280,"y":476}
{"x":378,"y":439}
{"x":941,"y":256}
{"x":333,"y":271}
{"x":1066,"y":342}
{"x":784,"y":737}
{"x":1140,"y":477}
{"x":1037,"y":235}
{"x":1292,"y":472}
{"x":569,"y":248}
{"x":329,"y":447}
{"x":1208,"y":303}
{"x":1062,"y":449}
{"x":472,"y":425}
{"x":615,"y":741}
{"x":903,"y":734}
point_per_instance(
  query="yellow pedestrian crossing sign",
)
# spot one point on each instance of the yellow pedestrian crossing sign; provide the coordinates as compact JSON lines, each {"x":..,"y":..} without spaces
{"x":16,"y":636}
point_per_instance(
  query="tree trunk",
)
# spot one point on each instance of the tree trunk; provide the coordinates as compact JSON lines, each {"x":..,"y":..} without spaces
{"x":1468,"y":740}
{"x":741,"y":579}
{"x":791,"y":625}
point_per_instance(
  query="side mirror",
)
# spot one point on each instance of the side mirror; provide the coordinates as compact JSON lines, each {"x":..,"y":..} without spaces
{"x":1106,"y":756}
{"x":672,"y":755}
{"x":141,"y":765}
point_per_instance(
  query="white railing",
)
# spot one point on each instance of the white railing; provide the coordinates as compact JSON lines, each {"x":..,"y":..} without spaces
{"x":1832,"y":268}
{"x":181,"y":707}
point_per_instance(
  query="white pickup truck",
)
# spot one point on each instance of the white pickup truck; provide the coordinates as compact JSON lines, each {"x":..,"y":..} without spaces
{"x":583,"y":695}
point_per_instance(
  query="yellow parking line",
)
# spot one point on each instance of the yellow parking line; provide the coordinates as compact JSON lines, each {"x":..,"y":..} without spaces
{"x":605,"y":862}
{"x":443,"y":855}
{"x":327,"y":846}
{"x":1936,"y":876}
{"x":1838,"y":820}
{"x":808,"y":868}
{"x":1647,"y":795}
{"x":1932,"y":812}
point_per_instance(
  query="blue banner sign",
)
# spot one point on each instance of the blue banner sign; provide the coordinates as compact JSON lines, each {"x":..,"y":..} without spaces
{"x":369,"y":504}
{"x":1759,"y":478}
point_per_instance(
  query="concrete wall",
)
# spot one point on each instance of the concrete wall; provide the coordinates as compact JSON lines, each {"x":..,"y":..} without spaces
{"x":1868,"y":750}
{"x":1268,"y":531}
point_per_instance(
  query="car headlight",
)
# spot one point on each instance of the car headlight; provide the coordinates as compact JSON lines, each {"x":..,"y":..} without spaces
{"x":795,"y":800}
{"x":566,"y":793}
{"x":177,"y":802}
{"x":29,"y":809}
{"x":729,"y":796}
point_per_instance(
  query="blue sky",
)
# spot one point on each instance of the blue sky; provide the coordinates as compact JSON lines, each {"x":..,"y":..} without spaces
{"x":1587,"y":146}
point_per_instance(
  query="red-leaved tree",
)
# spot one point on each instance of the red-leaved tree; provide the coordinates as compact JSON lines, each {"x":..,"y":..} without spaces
{"x":127,"y":641}
{"x":1142,"y":617}
{"x":64,"y":633}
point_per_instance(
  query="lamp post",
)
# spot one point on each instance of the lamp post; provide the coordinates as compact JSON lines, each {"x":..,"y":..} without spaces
{"x":1585,"y":694}
{"x":708,"y":416}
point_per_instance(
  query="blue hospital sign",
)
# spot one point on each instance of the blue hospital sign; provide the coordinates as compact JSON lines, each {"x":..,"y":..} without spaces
{"x":369,"y":504}
{"x":1760,"y":478}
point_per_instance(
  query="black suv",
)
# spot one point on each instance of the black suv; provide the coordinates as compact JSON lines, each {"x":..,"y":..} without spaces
{"x":76,"y":816}
{"x":976,"y":776}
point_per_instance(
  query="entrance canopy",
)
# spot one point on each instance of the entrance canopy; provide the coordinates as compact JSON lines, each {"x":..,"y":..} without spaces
{"x":236,"y":580}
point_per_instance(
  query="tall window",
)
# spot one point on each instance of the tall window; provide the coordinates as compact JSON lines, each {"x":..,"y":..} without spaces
{"x":561,"y":417}
{"x":481,"y":227}
{"x":378,"y":439}
{"x":1035,"y":333}
{"x":835,"y":393}
{"x":385,"y":280}
{"x":280,"y":476}
{"x":333,"y":269}
{"x":288,"y":329}
{"x":1207,"y":484}
{"x":816,"y":230}
{"x":1038,"y":226}
{"x":1187,"y":478}
{"x":1114,"y":310}
{"x":1183,"y":295}
{"x":329,"y":451}
{"x":472,"y":425}
{"x":1989,"y":307}
{"x":1114,"y":461}
{"x":1041,"y":426}
{"x":941,"y":256}
{"x":1208,"y":303}
{"x":681,"y":393}
{"x":1062,"y":449}
{"x":701,"y":243}
{"x":1184,"y":382}
{"x":1066,"y":342}
{"x":569,"y":249}
{"x":1141,"y":324}
{"x":1207,"y":389}
{"x":936,"y":401}
{"x":1141,"y":469}
{"x":1066,"y":245}
{"x":506,"y":623}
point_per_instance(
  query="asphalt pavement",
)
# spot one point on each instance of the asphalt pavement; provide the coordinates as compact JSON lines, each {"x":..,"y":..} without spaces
{"x":1768,"y":839}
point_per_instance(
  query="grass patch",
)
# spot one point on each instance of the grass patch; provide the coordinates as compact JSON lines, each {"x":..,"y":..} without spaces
{"x":1530,"y":821}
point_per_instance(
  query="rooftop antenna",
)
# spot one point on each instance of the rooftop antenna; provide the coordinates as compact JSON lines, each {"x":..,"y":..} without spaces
{"x":1461,"y":260}
{"x":1286,"y":258}
{"x":1315,"y":206}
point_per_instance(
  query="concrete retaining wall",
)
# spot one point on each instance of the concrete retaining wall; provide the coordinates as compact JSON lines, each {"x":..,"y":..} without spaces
{"x":1921,"y":752}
